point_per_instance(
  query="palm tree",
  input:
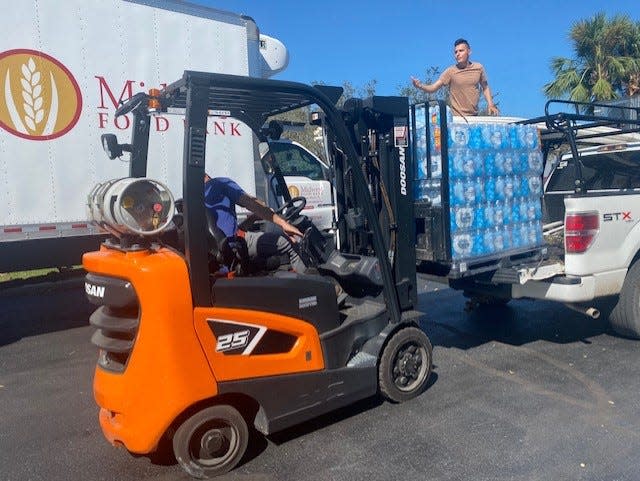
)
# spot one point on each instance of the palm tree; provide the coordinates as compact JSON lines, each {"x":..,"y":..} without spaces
{"x":606,"y":63}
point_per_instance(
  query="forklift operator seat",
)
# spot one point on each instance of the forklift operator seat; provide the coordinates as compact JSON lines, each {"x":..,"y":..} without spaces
{"x":232,"y":252}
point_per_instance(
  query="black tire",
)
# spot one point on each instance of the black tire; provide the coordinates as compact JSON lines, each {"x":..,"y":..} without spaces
{"x":405,"y":365}
{"x":211,"y":442}
{"x":625,"y":316}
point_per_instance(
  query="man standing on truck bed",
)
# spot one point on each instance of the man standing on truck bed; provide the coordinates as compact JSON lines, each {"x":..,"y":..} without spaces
{"x":463,"y":79}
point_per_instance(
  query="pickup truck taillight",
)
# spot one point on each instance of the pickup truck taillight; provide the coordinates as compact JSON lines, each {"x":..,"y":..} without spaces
{"x":580,"y":230}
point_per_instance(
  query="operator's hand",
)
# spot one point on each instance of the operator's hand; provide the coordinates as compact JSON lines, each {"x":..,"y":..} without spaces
{"x":291,"y":231}
{"x":493,"y":110}
{"x":416,"y":83}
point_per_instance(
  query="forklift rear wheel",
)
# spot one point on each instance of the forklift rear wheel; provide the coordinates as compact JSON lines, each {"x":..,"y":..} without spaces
{"x":405,"y":365}
{"x":211,"y":442}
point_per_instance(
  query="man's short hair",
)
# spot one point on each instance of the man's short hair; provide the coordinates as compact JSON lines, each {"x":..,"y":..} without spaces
{"x":459,"y":41}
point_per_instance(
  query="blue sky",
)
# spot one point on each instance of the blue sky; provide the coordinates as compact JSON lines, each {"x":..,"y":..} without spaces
{"x":358,"y":41}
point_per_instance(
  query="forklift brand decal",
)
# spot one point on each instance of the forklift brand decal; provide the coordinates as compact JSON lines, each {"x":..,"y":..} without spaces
{"x":305,"y":302}
{"x":95,"y":291}
{"x":236,"y":337}
{"x":42,"y":99}
{"x":625,"y":216}
{"x":401,"y":141}
{"x":403,"y":171}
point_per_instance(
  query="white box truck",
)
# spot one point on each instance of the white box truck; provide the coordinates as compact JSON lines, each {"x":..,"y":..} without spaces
{"x":64,"y":68}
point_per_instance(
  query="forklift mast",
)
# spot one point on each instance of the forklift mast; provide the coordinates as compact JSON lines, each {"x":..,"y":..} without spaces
{"x":379,"y":130}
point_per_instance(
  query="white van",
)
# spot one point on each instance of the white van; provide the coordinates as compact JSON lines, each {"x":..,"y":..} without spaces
{"x":307,"y":176}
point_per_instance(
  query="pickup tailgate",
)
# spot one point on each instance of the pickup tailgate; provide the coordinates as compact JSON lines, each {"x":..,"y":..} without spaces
{"x":605,"y":225}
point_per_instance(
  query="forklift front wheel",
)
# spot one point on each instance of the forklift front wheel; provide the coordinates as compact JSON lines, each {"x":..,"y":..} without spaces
{"x":405,"y":365}
{"x":211,"y":442}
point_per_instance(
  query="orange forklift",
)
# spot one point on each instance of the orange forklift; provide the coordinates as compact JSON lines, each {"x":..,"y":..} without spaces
{"x":197,"y":342}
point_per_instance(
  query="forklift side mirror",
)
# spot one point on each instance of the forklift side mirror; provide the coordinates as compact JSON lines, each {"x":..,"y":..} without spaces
{"x":110,"y":146}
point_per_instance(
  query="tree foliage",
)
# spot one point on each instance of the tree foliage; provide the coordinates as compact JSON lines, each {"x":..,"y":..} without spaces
{"x":308,"y":135}
{"x":606,"y":63}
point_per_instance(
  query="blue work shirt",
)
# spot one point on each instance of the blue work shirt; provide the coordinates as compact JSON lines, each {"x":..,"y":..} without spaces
{"x":221,"y":195}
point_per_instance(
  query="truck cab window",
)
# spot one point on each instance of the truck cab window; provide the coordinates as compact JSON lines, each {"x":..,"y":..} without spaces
{"x":294,"y":161}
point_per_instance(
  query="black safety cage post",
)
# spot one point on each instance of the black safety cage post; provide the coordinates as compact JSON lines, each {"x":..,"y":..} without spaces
{"x":195,"y":136}
{"x":255,"y":100}
{"x":139,"y":141}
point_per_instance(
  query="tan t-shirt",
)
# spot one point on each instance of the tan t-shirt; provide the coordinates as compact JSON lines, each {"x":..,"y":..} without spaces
{"x":463,"y":87}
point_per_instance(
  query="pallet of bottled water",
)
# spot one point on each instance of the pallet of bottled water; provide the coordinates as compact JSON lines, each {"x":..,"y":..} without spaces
{"x":491,"y":181}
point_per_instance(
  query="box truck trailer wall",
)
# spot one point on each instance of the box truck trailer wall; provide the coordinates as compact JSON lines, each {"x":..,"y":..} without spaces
{"x":64,"y":68}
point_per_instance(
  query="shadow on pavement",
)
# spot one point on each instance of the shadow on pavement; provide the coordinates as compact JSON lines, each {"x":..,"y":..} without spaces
{"x":30,"y":310}
{"x":518,"y":323}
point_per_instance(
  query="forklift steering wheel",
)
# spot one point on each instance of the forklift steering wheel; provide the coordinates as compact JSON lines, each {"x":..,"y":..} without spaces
{"x":292,"y":208}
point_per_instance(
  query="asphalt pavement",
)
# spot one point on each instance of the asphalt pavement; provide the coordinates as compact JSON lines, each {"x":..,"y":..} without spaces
{"x":531,"y":391}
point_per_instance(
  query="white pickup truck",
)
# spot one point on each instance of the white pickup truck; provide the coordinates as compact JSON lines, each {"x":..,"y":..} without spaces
{"x":591,"y":207}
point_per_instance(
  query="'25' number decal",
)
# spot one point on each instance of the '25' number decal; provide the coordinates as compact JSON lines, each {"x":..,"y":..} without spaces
{"x":235,"y":340}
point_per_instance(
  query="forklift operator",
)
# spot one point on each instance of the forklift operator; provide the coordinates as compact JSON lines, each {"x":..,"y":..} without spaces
{"x":221,"y":195}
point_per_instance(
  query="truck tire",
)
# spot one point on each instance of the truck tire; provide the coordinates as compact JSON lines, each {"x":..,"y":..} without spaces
{"x":625,"y":316}
{"x":211,"y":442}
{"x":405,"y":365}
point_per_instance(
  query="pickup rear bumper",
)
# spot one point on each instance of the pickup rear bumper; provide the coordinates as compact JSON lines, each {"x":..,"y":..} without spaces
{"x":572,"y":289}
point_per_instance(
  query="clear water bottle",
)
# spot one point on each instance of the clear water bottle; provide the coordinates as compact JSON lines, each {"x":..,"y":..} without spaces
{"x":514,"y":138}
{"x":515,"y":211}
{"x":471,"y":194}
{"x":436,"y":166}
{"x":463,"y":218}
{"x":458,"y":136}
{"x":480,"y":190}
{"x":456,"y":163}
{"x":489,"y":215}
{"x":529,"y":137}
{"x":421,"y":168}
{"x":534,"y":183}
{"x":462,"y":245}
{"x":478,"y":249}
{"x":509,"y":188}
{"x":514,"y":234}
{"x":457,"y":193}
{"x":480,"y":221}
{"x":500,"y":185}
{"x":435,"y":191}
{"x":498,"y":214}
{"x":537,"y":209}
{"x":508,"y":167}
{"x":535,"y":162}
{"x":506,"y":237}
{"x":490,"y":189}
{"x":523,"y":187}
{"x":490,"y":164}
{"x":475,"y":137}
{"x":523,"y":229}
{"x":488,"y":241}
{"x":532,"y":237}
{"x":499,"y":244}
{"x":469,"y":163}
{"x":498,"y":163}
{"x":507,"y":214}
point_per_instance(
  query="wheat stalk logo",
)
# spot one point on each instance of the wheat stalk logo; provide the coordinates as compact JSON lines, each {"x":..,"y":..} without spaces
{"x":32,"y":95}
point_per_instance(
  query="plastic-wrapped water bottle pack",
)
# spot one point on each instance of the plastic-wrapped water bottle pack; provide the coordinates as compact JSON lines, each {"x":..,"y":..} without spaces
{"x":494,"y":188}
{"x":428,"y":154}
